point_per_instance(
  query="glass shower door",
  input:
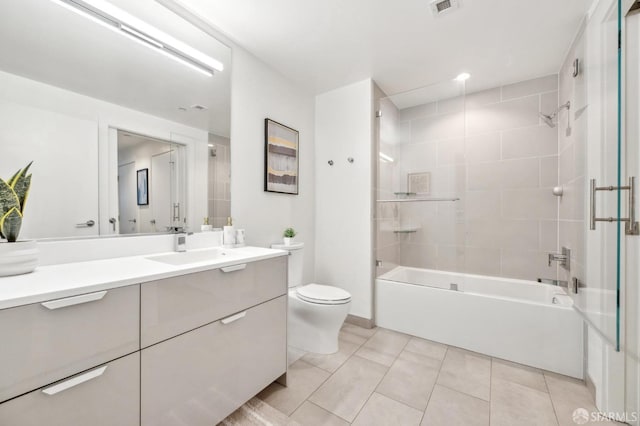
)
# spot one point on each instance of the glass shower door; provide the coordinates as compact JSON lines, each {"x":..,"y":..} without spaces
{"x":598,"y":298}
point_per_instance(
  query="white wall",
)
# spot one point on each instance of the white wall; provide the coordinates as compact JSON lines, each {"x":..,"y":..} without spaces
{"x":257,"y":93}
{"x":344,"y":127}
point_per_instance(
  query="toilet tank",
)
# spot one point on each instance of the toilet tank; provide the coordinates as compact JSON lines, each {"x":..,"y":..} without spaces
{"x":296,"y":262}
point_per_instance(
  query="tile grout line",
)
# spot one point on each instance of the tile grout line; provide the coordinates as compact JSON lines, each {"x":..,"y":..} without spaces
{"x":553,"y":404}
{"x":424,"y":413}
{"x":331,"y":375}
{"x":490,"y":387}
{"x":385,"y":375}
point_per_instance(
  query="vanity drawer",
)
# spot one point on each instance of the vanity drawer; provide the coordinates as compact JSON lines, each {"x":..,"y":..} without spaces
{"x":45,"y":342}
{"x":176,"y":305}
{"x":200,"y":377}
{"x":104,"y":396}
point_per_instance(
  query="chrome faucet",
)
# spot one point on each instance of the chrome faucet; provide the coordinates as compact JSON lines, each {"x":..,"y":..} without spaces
{"x":556,"y":257}
{"x":563,"y":258}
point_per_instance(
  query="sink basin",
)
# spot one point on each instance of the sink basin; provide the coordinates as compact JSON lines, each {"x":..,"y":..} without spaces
{"x":195,"y":256}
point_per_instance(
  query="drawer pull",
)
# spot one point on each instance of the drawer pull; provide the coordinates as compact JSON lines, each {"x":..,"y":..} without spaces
{"x":60,"y":387}
{"x":233,"y":318}
{"x":234,"y":268}
{"x":75,"y":300}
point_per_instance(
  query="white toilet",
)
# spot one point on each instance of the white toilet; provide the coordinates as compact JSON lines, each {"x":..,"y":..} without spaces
{"x":316,"y":312}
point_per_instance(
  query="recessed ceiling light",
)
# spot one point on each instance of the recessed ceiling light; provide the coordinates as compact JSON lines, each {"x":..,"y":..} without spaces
{"x":464,"y":76}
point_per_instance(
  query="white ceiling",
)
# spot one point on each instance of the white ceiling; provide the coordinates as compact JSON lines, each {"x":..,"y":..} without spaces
{"x":399,"y":43}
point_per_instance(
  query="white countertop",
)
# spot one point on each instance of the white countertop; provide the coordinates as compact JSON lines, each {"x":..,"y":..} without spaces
{"x":71,"y":279}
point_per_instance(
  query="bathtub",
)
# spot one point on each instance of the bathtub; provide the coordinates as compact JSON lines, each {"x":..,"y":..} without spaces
{"x":520,"y":321}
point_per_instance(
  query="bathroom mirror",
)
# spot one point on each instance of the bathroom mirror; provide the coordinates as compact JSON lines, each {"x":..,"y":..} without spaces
{"x":71,"y":89}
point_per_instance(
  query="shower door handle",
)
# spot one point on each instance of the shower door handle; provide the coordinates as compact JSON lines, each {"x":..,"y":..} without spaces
{"x":631,"y":224}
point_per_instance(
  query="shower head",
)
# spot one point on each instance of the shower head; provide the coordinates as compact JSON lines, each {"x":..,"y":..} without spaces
{"x":548,"y":119}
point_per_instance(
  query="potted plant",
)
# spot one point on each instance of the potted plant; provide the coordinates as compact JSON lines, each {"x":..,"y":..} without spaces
{"x":16,"y":257}
{"x":288,"y":235}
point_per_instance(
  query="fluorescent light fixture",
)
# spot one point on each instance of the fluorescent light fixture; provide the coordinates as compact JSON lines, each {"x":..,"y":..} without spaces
{"x":385,"y":157}
{"x":138,"y":34}
{"x":464,"y":76}
{"x":115,"y":19}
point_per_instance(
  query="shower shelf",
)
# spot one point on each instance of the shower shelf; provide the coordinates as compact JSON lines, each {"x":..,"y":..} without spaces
{"x":411,"y":200}
{"x":406,"y":230}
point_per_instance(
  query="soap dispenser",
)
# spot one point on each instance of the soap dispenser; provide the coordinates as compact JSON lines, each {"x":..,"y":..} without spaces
{"x":229,"y":234}
{"x":205,"y":227}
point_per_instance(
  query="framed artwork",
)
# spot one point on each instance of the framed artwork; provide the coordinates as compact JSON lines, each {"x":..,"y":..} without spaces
{"x":281,"y":158}
{"x":142,"y":178}
{"x":419,"y":183}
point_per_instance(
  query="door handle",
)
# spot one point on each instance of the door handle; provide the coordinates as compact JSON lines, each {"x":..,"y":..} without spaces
{"x":113,"y":221}
{"x":631,"y":225}
{"x":87,"y":224}
{"x":74,"y":300}
{"x":75,"y":381}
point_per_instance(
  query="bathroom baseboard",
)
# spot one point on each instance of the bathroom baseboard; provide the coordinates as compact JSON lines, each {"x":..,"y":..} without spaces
{"x":590,"y":385}
{"x":359,"y":321}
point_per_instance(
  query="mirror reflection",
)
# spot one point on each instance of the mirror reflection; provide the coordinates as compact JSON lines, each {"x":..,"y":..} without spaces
{"x":150,"y":172}
{"x":72,"y":90}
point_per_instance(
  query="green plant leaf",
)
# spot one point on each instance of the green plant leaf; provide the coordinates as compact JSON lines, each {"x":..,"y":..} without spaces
{"x":8,"y":198}
{"x":10,"y":224}
{"x":13,"y":178}
{"x":20,"y":184}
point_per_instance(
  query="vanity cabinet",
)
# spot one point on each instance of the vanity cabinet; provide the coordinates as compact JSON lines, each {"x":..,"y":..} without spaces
{"x":211,"y":340}
{"x":45,"y":342}
{"x":200,"y":377}
{"x":176,"y":305}
{"x":107,"y":395}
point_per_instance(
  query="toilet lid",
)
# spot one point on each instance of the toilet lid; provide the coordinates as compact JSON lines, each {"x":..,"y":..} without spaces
{"x":323,"y":294}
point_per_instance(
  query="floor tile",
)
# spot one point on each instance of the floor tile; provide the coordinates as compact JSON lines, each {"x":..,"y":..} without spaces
{"x":410,"y":379}
{"x":358,"y":331}
{"x":302,"y":380}
{"x":347,"y":390}
{"x":309,"y":414}
{"x":256,"y":413}
{"x":448,"y":407}
{"x":332,"y":362}
{"x":466,"y":372}
{"x":512,"y":403}
{"x":568,"y":395}
{"x":518,"y":373}
{"x":294,"y":354}
{"x":426,"y":348}
{"x":383,"y":347}
{"x":382,"y":411}
{"x":352,"y":338}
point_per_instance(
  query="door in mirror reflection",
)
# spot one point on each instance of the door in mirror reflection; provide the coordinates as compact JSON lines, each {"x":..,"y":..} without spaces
{"x":149,"y":175}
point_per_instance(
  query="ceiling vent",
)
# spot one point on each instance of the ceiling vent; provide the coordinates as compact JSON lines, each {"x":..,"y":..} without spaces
{"x":199,"y":107}
{"x":441,"y":7}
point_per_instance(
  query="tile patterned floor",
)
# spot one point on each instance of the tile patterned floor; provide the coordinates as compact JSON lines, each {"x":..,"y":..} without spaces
{"x":380,"y":377}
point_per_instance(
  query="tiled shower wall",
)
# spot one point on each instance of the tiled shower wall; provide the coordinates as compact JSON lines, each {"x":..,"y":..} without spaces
{"x":219,"y":191}
{"x":492,"y":151}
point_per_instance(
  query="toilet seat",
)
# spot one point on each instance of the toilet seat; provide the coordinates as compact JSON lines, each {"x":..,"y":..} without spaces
{"x":323,"y":294}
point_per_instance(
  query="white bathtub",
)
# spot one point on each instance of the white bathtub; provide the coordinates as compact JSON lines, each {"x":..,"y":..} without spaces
{"x":520,"y":321}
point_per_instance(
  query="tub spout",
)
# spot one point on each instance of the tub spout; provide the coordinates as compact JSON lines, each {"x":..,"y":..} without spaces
{"x":559,"y":283}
